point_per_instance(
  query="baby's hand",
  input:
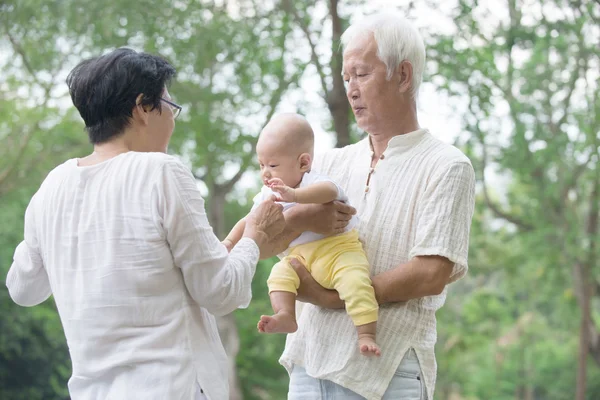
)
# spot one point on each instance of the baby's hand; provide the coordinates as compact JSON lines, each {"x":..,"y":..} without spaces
{"x":227,"y":243}
{"x":275,"y":182}
{"x":284,"y":192}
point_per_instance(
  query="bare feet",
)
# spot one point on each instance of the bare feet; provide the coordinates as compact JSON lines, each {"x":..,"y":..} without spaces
{"x":282,"y":322}
{"x":368,"y":347}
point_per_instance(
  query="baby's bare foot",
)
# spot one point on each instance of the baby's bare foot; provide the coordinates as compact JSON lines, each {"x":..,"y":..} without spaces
{"x":281,"y":322}
{"x":368,"y":347}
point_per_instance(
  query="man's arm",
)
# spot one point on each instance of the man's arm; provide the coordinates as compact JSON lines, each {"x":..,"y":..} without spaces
{"x":439,"y":255}
{"x":420,"y":277}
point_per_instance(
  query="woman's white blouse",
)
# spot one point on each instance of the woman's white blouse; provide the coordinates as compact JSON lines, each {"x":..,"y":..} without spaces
{"x":136,"y":271}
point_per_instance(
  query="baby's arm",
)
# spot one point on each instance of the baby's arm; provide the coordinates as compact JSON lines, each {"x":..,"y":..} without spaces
{"x":235,"y":235}
{"x":317,"y":193}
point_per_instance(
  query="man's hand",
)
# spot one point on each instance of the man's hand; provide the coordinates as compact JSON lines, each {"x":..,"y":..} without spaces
{"x":325,"y":219}
{"x":311,"y":292}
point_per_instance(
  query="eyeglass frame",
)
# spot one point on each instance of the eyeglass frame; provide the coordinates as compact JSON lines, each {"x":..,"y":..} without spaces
{"x":174,"y":105}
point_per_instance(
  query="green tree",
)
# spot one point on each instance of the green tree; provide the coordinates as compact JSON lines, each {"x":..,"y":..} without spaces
{"x":530,"y":84}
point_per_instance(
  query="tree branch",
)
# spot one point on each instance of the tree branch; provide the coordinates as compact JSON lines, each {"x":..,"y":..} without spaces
{"x":199,"y":177}
{"x":490,"y":203}
{"x":496,"y":209}
{"x":21,"y":52}
{"x":283,"y":85}
{"x":573,"y":81}
{"x":572,"y":182}
{"x":313,"y":52}
{"x":18,"y":153}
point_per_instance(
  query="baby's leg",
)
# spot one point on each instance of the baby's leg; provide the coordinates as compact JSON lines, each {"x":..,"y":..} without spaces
{"x":284,"y":319}
{"x":366,"y":339}
{"x":352,"y":281}
{"x":283,"y":287}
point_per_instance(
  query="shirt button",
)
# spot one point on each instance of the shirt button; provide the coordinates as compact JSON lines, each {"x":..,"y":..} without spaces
{"x":381,"y":157}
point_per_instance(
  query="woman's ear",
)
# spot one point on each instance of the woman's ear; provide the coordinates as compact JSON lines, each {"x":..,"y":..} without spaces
{"x":305,"y":162}
{"x":139,"y":111}
{"x":405,"y":75}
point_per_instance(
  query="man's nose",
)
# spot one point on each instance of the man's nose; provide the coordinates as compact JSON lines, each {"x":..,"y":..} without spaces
{"x":352,"y":91}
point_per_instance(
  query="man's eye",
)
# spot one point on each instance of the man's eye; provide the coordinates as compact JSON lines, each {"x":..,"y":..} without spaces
{"x":272,"y":166}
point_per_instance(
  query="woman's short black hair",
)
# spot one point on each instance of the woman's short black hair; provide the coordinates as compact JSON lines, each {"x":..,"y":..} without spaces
{"x":104,"y":89}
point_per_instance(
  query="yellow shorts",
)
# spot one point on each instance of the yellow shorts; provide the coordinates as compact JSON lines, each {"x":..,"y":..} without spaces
{"x":336,"y":262}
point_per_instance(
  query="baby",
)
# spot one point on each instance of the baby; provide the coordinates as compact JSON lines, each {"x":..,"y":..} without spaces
{"x":285,"y":152}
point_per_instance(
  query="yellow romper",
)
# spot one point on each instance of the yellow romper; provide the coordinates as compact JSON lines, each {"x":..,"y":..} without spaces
{"x":336,"y":262}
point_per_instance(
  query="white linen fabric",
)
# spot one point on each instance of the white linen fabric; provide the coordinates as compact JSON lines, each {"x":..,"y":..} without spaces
{"x":420,"y":202}
{"x":308,"y":178}
{"x":137,"y":273}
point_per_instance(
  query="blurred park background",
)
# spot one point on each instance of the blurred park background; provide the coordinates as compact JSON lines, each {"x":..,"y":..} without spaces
{"x":513,"y":83}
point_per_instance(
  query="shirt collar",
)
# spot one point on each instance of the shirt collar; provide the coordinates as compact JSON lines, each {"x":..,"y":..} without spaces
{"x":402,"y":142}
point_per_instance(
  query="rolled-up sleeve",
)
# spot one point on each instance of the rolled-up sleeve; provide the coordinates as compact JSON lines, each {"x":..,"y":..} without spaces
{"x":27,"y":279}
{"x":444,"y":217}
{"x":217,"y":280}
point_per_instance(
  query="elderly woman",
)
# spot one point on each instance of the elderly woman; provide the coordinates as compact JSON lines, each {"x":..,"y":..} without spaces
{"x":122,"y":241}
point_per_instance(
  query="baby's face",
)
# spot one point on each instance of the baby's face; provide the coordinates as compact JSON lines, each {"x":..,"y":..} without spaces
{"x":278,"y":162}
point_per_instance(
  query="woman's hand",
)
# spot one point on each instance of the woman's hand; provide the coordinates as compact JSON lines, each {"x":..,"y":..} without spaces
{"x":265,"y":223}
{"x":311,"y":292}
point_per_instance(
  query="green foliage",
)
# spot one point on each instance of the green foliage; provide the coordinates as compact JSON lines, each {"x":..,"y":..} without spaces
{"x":530,"y":86}
{"x":533,"y":116}
{"x":259,"y":371}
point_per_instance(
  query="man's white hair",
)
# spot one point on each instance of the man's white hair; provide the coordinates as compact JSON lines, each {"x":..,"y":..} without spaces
{"x":397,"y":40}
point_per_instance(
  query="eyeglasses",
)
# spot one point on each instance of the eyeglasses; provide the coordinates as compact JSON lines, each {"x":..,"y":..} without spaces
{"x":175,"y":107}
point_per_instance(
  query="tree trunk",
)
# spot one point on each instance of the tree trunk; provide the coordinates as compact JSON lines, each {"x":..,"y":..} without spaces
{"x":584,"y":286}
{"x":227,"y":327}
{"x":336,"y":98}
{"x":216,"y":210}
{"x":582,"y":281}
{"x":231,"y":342}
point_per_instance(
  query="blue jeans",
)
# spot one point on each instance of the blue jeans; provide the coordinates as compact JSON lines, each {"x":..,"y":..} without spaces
{"x":406,"y":384}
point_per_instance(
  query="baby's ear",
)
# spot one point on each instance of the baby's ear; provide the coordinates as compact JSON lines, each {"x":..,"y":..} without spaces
{"x":305,"y":162}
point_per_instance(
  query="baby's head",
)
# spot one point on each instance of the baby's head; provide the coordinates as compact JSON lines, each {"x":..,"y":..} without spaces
{"x":285,"y":149}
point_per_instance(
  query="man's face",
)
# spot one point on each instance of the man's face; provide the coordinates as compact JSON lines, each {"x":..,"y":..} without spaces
{"x":375,"y":101}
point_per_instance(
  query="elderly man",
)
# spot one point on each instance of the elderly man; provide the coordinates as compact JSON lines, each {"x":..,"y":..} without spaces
{"x":415,"y":198}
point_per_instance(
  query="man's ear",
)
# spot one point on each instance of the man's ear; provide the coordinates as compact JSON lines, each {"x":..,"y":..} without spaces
{"x":404,"y":75}
{"x":305,"y":162}
{"x":140,"y":112}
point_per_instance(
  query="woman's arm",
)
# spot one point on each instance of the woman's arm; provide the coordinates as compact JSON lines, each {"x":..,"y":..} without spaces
{"x":27,"y":280}
{"x":235,"y":235}
{"x":217,"y":280}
